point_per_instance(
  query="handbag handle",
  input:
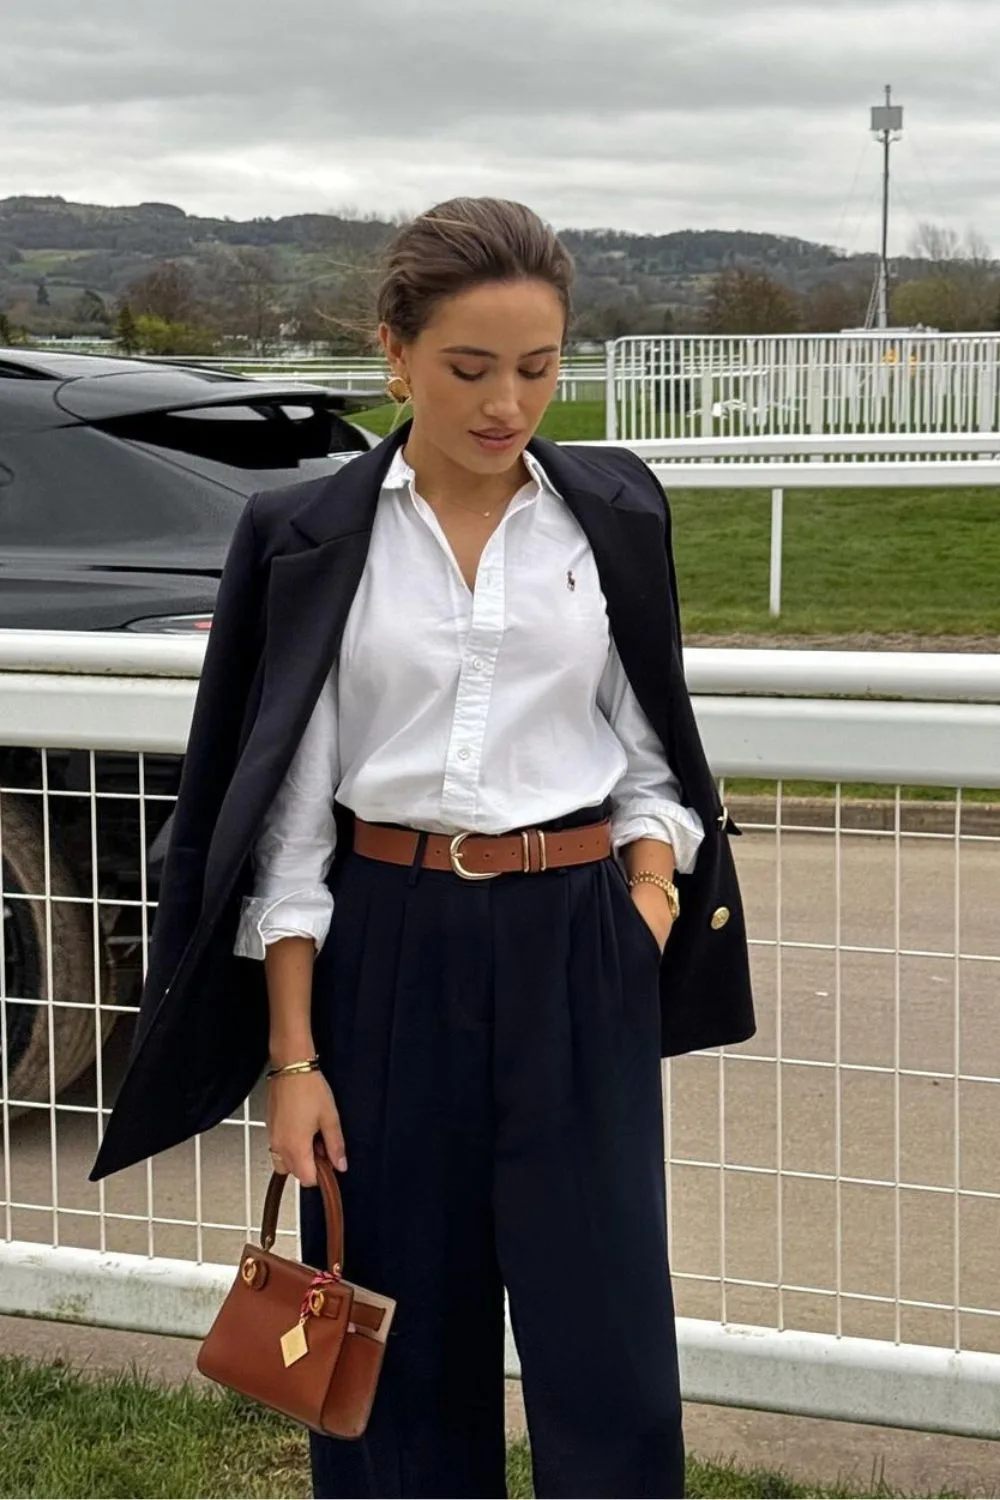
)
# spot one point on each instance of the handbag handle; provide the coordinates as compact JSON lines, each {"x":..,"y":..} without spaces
{"x":333,"y":1209}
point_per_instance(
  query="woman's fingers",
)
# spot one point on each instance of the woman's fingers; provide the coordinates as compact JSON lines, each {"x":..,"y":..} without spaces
{"x":333,"y":1140}
{"x":297,"y":1121}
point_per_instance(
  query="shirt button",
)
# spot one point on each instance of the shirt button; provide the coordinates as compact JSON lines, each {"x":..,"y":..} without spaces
{"x":463,"y":754}
{"x":477,"y":664}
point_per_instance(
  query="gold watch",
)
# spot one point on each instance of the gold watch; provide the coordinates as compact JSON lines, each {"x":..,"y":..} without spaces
{"x":649,"y":877}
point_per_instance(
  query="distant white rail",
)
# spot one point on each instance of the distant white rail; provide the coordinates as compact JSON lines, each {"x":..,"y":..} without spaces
{"x":870,"y":381}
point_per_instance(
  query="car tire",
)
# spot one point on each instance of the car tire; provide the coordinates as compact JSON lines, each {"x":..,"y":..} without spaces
{"x":26,"y":972}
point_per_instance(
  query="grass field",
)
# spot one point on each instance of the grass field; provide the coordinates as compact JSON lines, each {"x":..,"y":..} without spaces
{"x":878,"y":563}
{"x":67,"y":1434}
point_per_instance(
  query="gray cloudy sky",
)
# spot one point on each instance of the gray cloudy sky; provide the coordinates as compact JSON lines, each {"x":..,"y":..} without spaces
{"x":641,"y":114}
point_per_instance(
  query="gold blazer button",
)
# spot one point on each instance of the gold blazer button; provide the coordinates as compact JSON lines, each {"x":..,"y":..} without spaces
{"x":720,"y":917}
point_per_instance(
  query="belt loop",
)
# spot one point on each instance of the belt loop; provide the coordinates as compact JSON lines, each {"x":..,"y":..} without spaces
{"x":418,"y":858}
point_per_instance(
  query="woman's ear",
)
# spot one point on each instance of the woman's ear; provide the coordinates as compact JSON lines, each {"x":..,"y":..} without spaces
{"x":392,"y":345}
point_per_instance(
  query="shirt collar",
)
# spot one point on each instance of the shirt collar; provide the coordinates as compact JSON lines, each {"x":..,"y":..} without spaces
{"x":400,"y":474}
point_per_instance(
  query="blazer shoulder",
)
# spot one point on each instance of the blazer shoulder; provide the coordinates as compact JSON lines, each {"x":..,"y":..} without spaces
{"x":621,"y":464}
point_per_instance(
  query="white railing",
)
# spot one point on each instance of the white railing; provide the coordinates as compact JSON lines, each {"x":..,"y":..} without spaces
{"x":835,"y":1208}
{"x":947,"y":460}
{"x":797,"y":383}
{"x":581,"y":378}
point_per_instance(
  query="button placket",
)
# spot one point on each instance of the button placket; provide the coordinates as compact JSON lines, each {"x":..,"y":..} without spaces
{"x":475,"y":684}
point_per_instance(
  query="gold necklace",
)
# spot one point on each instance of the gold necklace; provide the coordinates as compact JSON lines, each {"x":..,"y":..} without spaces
{"x":469,"y":508}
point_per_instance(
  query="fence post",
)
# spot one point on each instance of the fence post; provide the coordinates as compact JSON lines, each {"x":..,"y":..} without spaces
{"x":610,"y":397}
{"x":707,"y":419}
{"x":777,"y":519}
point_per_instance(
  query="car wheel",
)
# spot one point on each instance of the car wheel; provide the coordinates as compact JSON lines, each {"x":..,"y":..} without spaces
{"x":26,"y":973}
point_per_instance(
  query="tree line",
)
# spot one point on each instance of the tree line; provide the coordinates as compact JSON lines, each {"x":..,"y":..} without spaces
{"x":237,"y":298}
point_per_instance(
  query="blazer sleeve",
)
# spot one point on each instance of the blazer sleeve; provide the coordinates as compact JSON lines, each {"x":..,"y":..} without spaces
{"x":232,"y":655}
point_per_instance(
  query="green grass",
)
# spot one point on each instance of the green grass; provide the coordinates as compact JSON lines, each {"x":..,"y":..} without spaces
{"x":879,"y":562}
{"x":885,"y":561}
{"x":67,"y":1434}
{"x":564,"y":422}
{"x":48,"y":262}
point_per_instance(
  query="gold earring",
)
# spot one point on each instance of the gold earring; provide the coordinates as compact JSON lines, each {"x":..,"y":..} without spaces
{"x":393,"y":385}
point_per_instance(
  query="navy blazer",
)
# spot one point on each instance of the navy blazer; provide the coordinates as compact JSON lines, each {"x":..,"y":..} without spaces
{"x":294,"y":564}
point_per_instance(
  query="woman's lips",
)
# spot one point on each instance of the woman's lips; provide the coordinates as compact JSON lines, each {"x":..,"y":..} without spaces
{"x":495,"y":440}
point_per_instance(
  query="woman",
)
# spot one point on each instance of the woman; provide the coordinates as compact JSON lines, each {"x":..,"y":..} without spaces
{"x":442,"y":774}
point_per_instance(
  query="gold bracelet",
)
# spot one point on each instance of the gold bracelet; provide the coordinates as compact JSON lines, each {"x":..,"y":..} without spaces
{"x":650,"y":877}
{"x":308,"y":1065}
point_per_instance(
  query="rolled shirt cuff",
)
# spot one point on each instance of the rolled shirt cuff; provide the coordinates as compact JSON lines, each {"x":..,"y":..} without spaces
{"x":305,"y":912}
{"x":670,"y":822}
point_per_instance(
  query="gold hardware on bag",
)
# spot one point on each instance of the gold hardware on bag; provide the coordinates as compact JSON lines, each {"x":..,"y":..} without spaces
{"x":249,"y":1270}
{"x":293,"y":1343}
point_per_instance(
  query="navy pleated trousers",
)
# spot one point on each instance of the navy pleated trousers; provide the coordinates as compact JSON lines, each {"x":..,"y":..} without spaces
{"x":493,"y":1049}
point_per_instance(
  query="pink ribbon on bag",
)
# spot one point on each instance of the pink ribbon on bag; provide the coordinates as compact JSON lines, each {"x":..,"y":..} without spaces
{"x":321,"y":1278}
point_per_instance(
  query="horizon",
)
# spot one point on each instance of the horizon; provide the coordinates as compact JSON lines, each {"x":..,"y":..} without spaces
{"x":349,"y":215}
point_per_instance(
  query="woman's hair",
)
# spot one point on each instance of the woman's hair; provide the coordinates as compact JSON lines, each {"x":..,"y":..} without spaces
{"x":461,"y":244}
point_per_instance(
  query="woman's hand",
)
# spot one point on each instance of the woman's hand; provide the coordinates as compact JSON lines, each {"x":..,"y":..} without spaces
{"x":654,"y":908}
{"x":301,"y":1106}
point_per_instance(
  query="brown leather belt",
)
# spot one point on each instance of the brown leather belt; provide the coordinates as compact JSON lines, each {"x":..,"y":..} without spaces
{"x":480,"y":856}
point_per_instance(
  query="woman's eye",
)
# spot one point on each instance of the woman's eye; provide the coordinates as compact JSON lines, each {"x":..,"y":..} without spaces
{"x":478,"y":374}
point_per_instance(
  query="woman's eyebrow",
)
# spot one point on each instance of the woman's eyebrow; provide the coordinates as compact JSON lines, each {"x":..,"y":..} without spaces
{"x":491,"y":354}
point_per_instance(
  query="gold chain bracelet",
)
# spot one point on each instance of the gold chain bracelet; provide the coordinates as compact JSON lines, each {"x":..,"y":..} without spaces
{"x":650,"y":877}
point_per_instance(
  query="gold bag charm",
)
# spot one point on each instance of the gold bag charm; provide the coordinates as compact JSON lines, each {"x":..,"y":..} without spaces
{"x":293,"y":1343}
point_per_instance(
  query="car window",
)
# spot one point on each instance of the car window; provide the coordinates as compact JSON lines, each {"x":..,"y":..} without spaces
{"x":257,"y":435}
{"x":79,"y":490}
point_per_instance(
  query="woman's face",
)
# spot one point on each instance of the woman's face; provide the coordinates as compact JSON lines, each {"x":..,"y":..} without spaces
{"x":483,"y":371}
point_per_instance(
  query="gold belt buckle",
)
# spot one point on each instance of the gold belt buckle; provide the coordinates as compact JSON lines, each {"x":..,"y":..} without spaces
{"x":455,"y":854}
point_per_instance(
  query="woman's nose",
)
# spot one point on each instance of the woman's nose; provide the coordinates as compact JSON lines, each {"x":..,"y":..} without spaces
{"x":502,"y":403}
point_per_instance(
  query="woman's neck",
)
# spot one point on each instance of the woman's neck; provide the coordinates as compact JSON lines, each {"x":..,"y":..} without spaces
{"x":439,"y":478}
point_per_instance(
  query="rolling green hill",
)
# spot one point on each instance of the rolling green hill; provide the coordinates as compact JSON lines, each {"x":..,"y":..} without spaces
{"x":52,"y":251}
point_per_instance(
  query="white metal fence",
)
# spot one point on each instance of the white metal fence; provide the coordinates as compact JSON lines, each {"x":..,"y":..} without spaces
{"x":581,"y":378}
{"x":799,"y":383}
{"x":833,"y":1183}
{"x":720,"y":386}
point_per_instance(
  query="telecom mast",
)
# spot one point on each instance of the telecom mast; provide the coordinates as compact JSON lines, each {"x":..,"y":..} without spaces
{"x":887,"y":127}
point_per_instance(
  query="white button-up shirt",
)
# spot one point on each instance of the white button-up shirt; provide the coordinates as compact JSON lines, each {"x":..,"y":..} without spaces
{"x":452,"y":710}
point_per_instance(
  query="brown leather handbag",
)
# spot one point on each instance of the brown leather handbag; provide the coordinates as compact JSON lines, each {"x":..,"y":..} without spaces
{"x":305,"y":1342}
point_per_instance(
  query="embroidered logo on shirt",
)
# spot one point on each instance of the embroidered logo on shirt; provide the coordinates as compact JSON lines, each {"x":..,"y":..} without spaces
{"x":570,"y":580}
